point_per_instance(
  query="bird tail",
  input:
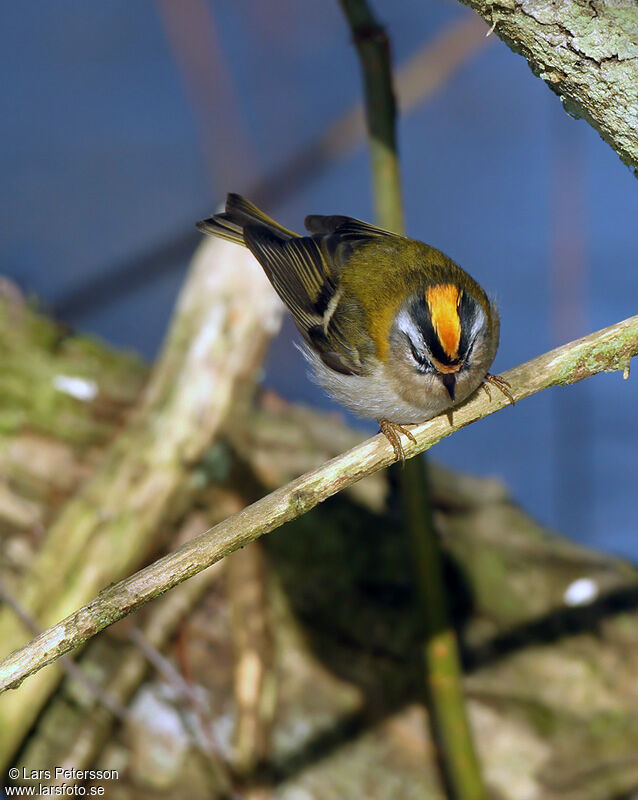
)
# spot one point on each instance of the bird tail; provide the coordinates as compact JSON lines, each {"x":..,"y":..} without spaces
{"x":238,"y":215}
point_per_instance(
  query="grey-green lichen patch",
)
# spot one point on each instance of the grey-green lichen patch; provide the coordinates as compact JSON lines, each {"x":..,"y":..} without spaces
{"x":608,"y":355}
{"x":596,"y":36}
{"x":587,"y":52}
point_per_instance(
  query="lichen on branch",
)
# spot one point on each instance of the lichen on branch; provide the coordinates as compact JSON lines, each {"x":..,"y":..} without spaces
{"x":587,"y":53}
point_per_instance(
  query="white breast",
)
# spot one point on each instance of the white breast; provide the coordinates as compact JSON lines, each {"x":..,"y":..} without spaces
{"x":372,"y":396}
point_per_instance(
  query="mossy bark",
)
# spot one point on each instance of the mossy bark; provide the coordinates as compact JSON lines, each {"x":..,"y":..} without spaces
{"x":587,"y":53}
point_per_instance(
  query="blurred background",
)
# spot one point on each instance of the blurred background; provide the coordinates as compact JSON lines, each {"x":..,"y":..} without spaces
{"x":124,"y":123}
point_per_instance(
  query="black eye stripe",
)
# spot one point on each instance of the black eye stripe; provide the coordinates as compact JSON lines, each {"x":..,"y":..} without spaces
{"x":415,"y":353}
{"x":420,"y":314}
{"x":468,"y":314}
{"x":467,"y":360}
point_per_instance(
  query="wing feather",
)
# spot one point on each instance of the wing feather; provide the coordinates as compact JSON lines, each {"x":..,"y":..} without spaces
{"x":343,"y":227}
{"x":305,"y":271}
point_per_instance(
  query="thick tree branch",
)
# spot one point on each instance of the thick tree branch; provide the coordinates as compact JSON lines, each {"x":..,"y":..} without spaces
{"x":587,"y":53}
{"x":605,"y":351}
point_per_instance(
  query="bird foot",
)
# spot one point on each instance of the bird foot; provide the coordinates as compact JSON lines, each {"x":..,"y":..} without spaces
{"x":391,"y":431}
{"x":500,"y":383}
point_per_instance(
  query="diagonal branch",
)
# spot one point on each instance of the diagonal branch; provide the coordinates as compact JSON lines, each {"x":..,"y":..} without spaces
{"x":605,"y":351}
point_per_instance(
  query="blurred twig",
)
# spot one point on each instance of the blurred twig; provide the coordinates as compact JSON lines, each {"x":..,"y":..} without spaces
{"x":201,"y":728}
{"x":191,"y":32}
{"x":254,"y":677}
{"x":451,"y":730}
{"x":607,"y":350}
{"x":573,"y":420}
{"x":443,"y":673}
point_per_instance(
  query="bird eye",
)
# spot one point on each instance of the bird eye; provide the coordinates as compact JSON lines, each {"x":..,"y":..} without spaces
{"x":417,"y":356}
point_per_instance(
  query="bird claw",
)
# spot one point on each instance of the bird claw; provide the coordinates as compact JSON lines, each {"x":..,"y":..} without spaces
{"x":391,"y":431}
{"x":500,"y":383}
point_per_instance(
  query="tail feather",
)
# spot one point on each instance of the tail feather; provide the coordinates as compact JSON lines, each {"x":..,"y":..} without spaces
{"x":239,"y":214}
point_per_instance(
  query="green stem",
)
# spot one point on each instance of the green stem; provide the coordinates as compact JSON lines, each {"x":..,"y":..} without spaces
{"x":373,"y":47}
{"x":449,"y":721}
{"x":443,"y":674}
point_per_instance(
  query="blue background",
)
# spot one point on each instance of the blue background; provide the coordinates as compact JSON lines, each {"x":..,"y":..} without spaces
{"x":110,"y":151}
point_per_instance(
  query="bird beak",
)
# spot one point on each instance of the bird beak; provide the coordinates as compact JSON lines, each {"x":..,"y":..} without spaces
{"x":449,"y":381}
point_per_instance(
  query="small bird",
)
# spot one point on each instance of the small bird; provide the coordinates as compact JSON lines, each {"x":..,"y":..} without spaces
{"x":393,"y":328}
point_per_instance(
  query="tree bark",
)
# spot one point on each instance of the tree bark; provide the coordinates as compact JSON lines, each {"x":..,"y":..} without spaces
{"x":587,"y":53}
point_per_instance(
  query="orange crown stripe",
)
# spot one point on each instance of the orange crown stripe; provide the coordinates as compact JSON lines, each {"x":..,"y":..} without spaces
{"x":443,"y":301}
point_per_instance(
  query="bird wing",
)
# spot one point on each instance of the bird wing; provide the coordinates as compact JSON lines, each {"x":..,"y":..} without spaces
{"x":307,"y":282}
{"x":305,"y":271}
{"x":343,"y":227}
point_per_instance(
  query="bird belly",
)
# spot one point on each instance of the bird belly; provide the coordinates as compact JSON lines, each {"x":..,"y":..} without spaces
{"x":372,"y":396}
